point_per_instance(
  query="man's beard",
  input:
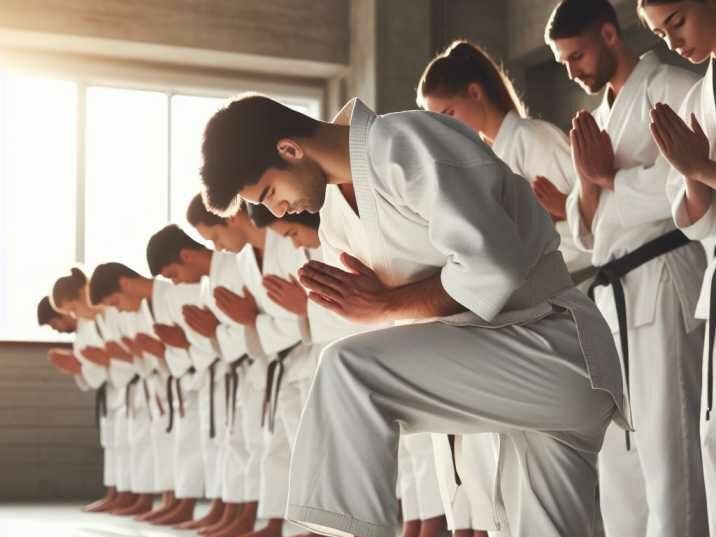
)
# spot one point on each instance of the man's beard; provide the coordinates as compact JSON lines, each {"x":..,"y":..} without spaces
{"x":606,"y":68}
{"x":314,"y":195}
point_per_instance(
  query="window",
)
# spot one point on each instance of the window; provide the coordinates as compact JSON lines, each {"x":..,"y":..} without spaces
{"x":88,"y":171}
{"x":189,"y":114}
{"x":37,"y":195}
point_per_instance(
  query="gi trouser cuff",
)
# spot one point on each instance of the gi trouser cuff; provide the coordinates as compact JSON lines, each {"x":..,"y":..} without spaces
{"x":335,"y":524}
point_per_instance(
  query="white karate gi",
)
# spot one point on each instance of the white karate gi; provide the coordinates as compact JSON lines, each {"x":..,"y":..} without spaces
{"x":94,"y":377}
{"x":277,"y":330}
{"x":656,"y":488}
{"x":418,"y":478}
{"x":531,"y":358}
{"x":239,"y":428}
{"x":531,"y":148}
{"x":121,"y":374}
{"x":701,"y":101}
{"x":154,"y":373}
{"x":140,"y":408}
{"x":209,"y":375}
{"x":187,"y":461}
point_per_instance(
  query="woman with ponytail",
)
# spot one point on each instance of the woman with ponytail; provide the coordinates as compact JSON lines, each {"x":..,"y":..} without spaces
{"x":466,"y":83}
{"x":687,"y":139}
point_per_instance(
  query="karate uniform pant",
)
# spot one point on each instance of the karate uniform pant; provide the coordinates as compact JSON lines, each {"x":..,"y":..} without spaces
{"x":529,"y":383}
{"x":212,"y":449}
{"x":163,"y":449}
{"x":105,"y":440}
{"x":188,"y":462}
{"x":708,"y":450}
{"x":141,"y":451}
{"x":656,"y":489}
{"x":244,"y":439}
{"x":417,"y":476}
{"x":162,"y":441}
{"x":277,"y":454}
{"x":122,"y":450}
{"x":473,"y":504}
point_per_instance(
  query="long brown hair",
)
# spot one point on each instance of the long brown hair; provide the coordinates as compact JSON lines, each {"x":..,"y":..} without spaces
{"x":462,"y":63}
{"x":68,"y":287}
{"x":643,"y":4}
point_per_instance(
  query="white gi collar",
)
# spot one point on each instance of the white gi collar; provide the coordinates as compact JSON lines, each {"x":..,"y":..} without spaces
{"x":506,"y":133}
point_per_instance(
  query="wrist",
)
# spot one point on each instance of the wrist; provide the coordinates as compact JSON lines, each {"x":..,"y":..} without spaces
{"x":705,"y":173}
{"x":609,"y":180}
{"x":388,"y":305}
{"x":588,"y":190}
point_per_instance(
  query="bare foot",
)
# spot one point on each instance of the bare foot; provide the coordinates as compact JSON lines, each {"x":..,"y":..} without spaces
{"x":100,"y":506}
{"x":142,"y":505}
{"x":183,"y":512}
{"x":239,"y":526}
{"x":433,"y":527}
{"x":411,"y":528}
{"x":122,"y":501}
{"x":169,"y":502}
{"x":480,"y":533}
{"x":274,"y":528}
{"x":230,"y":514}
{"x":216,"y":511}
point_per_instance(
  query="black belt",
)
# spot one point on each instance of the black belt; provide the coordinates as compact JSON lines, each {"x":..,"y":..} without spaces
{"x":148,"y":399}
{"x":170,"y":399}
{"x":451,"y":441}
{"x":710,"y":355}
{"x":170,"y":404}
{"x":100,"y":403}
{"x":128,"y":395}
{"x":212,"y":374}
{"x":231,"y":387}
{"x":611,"y":274}
{"x":275,"y":369}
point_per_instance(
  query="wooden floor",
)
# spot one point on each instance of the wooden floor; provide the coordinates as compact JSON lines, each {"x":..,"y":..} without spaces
{"x":66,"y":520}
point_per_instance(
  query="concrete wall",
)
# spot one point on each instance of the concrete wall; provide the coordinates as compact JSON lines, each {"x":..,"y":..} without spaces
{"x":404,"y":48}
{"x":544,"y":84}
{"x":49,"y":445}
{"x":314,"y":30}
{"x":484,"y":22}
{"x":392,"y":41}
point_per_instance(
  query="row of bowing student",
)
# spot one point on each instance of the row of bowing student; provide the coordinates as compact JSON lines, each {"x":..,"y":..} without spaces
{"x":503,"y":326}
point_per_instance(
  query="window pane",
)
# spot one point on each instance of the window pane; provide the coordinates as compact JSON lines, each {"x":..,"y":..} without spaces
{"x":37,"y":197}
{"x":126,"y":174}
{"x":189,"y":117}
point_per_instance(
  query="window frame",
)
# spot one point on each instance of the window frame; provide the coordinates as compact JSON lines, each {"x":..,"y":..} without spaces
{"x":88,"y":71}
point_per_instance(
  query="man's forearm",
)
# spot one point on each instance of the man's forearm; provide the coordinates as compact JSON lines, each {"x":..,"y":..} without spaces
{"x":707,"y":176}
{"x":421,"y":300}
{"x":697,"y":199}
{"x":588,"y":202}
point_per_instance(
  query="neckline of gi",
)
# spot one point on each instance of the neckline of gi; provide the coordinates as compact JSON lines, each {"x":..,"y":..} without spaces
{"x":505,"y":132}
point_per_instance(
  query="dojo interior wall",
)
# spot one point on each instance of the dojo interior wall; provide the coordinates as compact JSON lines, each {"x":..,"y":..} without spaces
{"x":48,"y":440}
{"x":375,"y":49}
{"x":49,"y":446}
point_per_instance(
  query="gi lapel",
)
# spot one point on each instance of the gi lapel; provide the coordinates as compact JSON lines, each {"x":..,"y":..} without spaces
{"x":626,"y":102}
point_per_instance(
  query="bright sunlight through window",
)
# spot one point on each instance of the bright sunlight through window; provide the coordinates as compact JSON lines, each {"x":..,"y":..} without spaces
{"x":87,"y":174}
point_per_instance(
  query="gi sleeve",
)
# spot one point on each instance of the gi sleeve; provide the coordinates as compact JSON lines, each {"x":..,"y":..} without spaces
{"x":487,"y":259}
{"x":639,"y":190}
{"x":277,"y":333}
